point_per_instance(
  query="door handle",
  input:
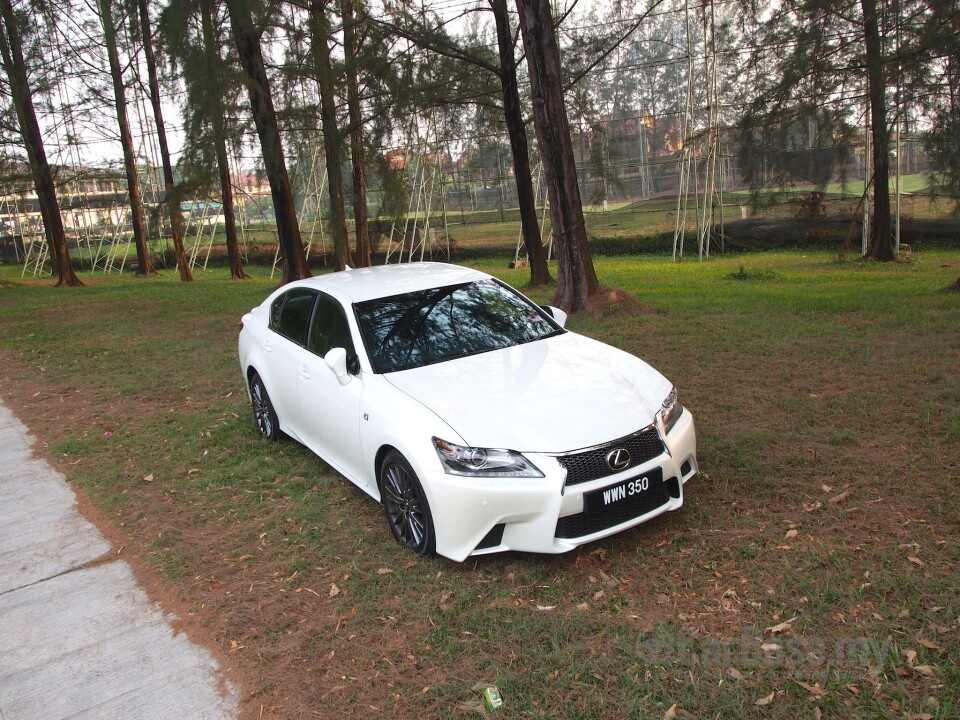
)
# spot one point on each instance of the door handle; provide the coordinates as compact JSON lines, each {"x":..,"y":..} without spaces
{"x":304,"y":373}
{"x":266,"y":346}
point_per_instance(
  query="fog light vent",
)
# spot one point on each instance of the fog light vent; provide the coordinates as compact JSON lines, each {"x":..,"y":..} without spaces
{"x":492,"y":538}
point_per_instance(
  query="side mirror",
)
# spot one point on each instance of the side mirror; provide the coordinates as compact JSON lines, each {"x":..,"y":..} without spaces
{"x":557,"y":314}
{"x":336,"y":360}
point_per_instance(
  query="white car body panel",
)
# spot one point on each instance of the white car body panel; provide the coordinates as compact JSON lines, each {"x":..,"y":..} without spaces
{"x":549,"y":397}
{"x":543,"y":394}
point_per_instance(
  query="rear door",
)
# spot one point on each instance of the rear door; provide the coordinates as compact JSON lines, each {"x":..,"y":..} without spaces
{"x":283,"y":348}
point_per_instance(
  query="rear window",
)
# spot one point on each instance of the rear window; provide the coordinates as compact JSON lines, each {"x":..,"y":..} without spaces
{"x":290,"y":314}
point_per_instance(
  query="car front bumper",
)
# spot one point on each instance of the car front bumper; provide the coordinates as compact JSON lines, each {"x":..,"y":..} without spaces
{"x":481,"y":516}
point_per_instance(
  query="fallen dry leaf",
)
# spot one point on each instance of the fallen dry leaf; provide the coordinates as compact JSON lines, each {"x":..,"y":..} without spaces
{"x":765,"y":700}
{"x":599,"y":594}
{"x":812,"y":689}
{"x":334,"y":590}
{"x":930,"y":645}
{"x":916,"y":561}
{"x":609,"y":580}
{"x":671,"y":714}
{"x":734,"y":673}
{"x":925,"y":670}
{"x":826,"y":488}
{"x":148,"y":478}
{"x":791,"y":534}
{"x":771,"y":647}
{"x":837,"y":499}
{"x":910,"y":656}
{"x":782,"y":627}
{"x":384,"y":571}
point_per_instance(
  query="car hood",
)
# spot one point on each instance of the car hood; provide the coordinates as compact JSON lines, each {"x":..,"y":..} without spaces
{"x":554,"y":395}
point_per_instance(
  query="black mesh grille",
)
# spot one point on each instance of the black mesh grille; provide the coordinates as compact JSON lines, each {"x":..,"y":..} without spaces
{"x":574,"y":526}
{"x":492,"y":538}
{"x":592,"y":464}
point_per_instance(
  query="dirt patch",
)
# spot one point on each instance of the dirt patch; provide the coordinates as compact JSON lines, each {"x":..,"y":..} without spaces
{"x":615,"y":301}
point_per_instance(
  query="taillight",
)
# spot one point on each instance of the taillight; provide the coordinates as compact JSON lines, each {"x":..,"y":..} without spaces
{"x":240,"y":326}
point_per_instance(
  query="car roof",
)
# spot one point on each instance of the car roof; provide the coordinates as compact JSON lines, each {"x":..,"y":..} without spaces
{"x":357,"y":285}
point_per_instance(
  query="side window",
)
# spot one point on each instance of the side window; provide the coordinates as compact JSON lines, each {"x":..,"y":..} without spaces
{"x":290,"y":314}
{"x":329,"y":328}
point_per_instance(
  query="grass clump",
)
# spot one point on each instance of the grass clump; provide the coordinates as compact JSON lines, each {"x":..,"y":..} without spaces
{"x":754,"y":274}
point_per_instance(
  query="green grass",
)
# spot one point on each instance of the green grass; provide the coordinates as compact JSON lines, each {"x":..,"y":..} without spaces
{"x":810,"y":379}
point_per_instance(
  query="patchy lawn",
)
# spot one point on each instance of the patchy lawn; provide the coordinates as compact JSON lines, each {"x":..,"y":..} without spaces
{"x":812,"y":571}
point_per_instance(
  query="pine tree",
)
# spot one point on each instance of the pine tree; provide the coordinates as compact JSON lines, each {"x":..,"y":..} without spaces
{"x":196,"y":47}
{"x":109,"y":24}
{"x":172,"y":201}
{"x":11,"y":50}
{"x":427,"y":33}
{"x":815,"y":67}
{"x":576,"y":277}
{"x":249,"y":51}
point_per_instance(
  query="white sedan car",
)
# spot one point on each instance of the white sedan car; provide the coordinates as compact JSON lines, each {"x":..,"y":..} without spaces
{"x":467,"y":410}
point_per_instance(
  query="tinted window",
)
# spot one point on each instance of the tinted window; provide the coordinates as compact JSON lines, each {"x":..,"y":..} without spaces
{"x":329,"y":328}
{"x":430,"y":326}
{"x":290,"y":314}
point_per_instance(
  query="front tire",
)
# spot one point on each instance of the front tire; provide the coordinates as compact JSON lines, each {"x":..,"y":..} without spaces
{"x":264,"y":414}
{"x":405,"y":505}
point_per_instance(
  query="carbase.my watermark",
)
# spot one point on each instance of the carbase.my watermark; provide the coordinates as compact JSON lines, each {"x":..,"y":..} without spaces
{"x":749,"y":648}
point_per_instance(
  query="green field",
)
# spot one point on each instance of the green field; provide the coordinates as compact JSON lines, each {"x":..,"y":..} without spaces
{"x":813,"y":568}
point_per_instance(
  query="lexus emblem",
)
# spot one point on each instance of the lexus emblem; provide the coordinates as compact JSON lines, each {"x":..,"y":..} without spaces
{"x":619,"y":459}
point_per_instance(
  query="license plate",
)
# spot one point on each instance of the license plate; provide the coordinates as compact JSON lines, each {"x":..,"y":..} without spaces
{"x":623,"y":491}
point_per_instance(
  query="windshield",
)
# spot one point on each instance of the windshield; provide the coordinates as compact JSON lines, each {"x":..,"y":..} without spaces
{"x":431,"y":326}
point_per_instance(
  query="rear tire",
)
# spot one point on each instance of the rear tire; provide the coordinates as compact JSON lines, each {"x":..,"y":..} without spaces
{"x":405,"y":505}
{"x":263,"y":413}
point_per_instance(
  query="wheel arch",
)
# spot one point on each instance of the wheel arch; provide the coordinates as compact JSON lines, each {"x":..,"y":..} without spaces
{"x":381,"y":455}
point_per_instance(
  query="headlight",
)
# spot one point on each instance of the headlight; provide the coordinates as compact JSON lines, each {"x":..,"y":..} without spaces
{"x":483,"y":462}
{"x":671,"y":411}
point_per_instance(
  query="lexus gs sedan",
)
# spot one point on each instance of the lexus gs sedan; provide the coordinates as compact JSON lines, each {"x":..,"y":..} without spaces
{"x":467,"y":410}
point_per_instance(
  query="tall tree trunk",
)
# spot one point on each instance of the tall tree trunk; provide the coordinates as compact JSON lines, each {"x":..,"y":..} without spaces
{"x":513,"y":114}
{"x":320,"y":30}
{"x":362,"y":255}
{"x":211,"y":49}
{"x":881,"y":242}
{"x":173,"y":202}
{"x":226,"y":197}
{"x":144,"y":263}
{"x":576,"y":277}
{"x":11,"y":48}
{"x":247,"y":41}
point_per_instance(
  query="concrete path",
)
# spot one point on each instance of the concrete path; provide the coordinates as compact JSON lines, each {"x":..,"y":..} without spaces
{"x":78,"y":638}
